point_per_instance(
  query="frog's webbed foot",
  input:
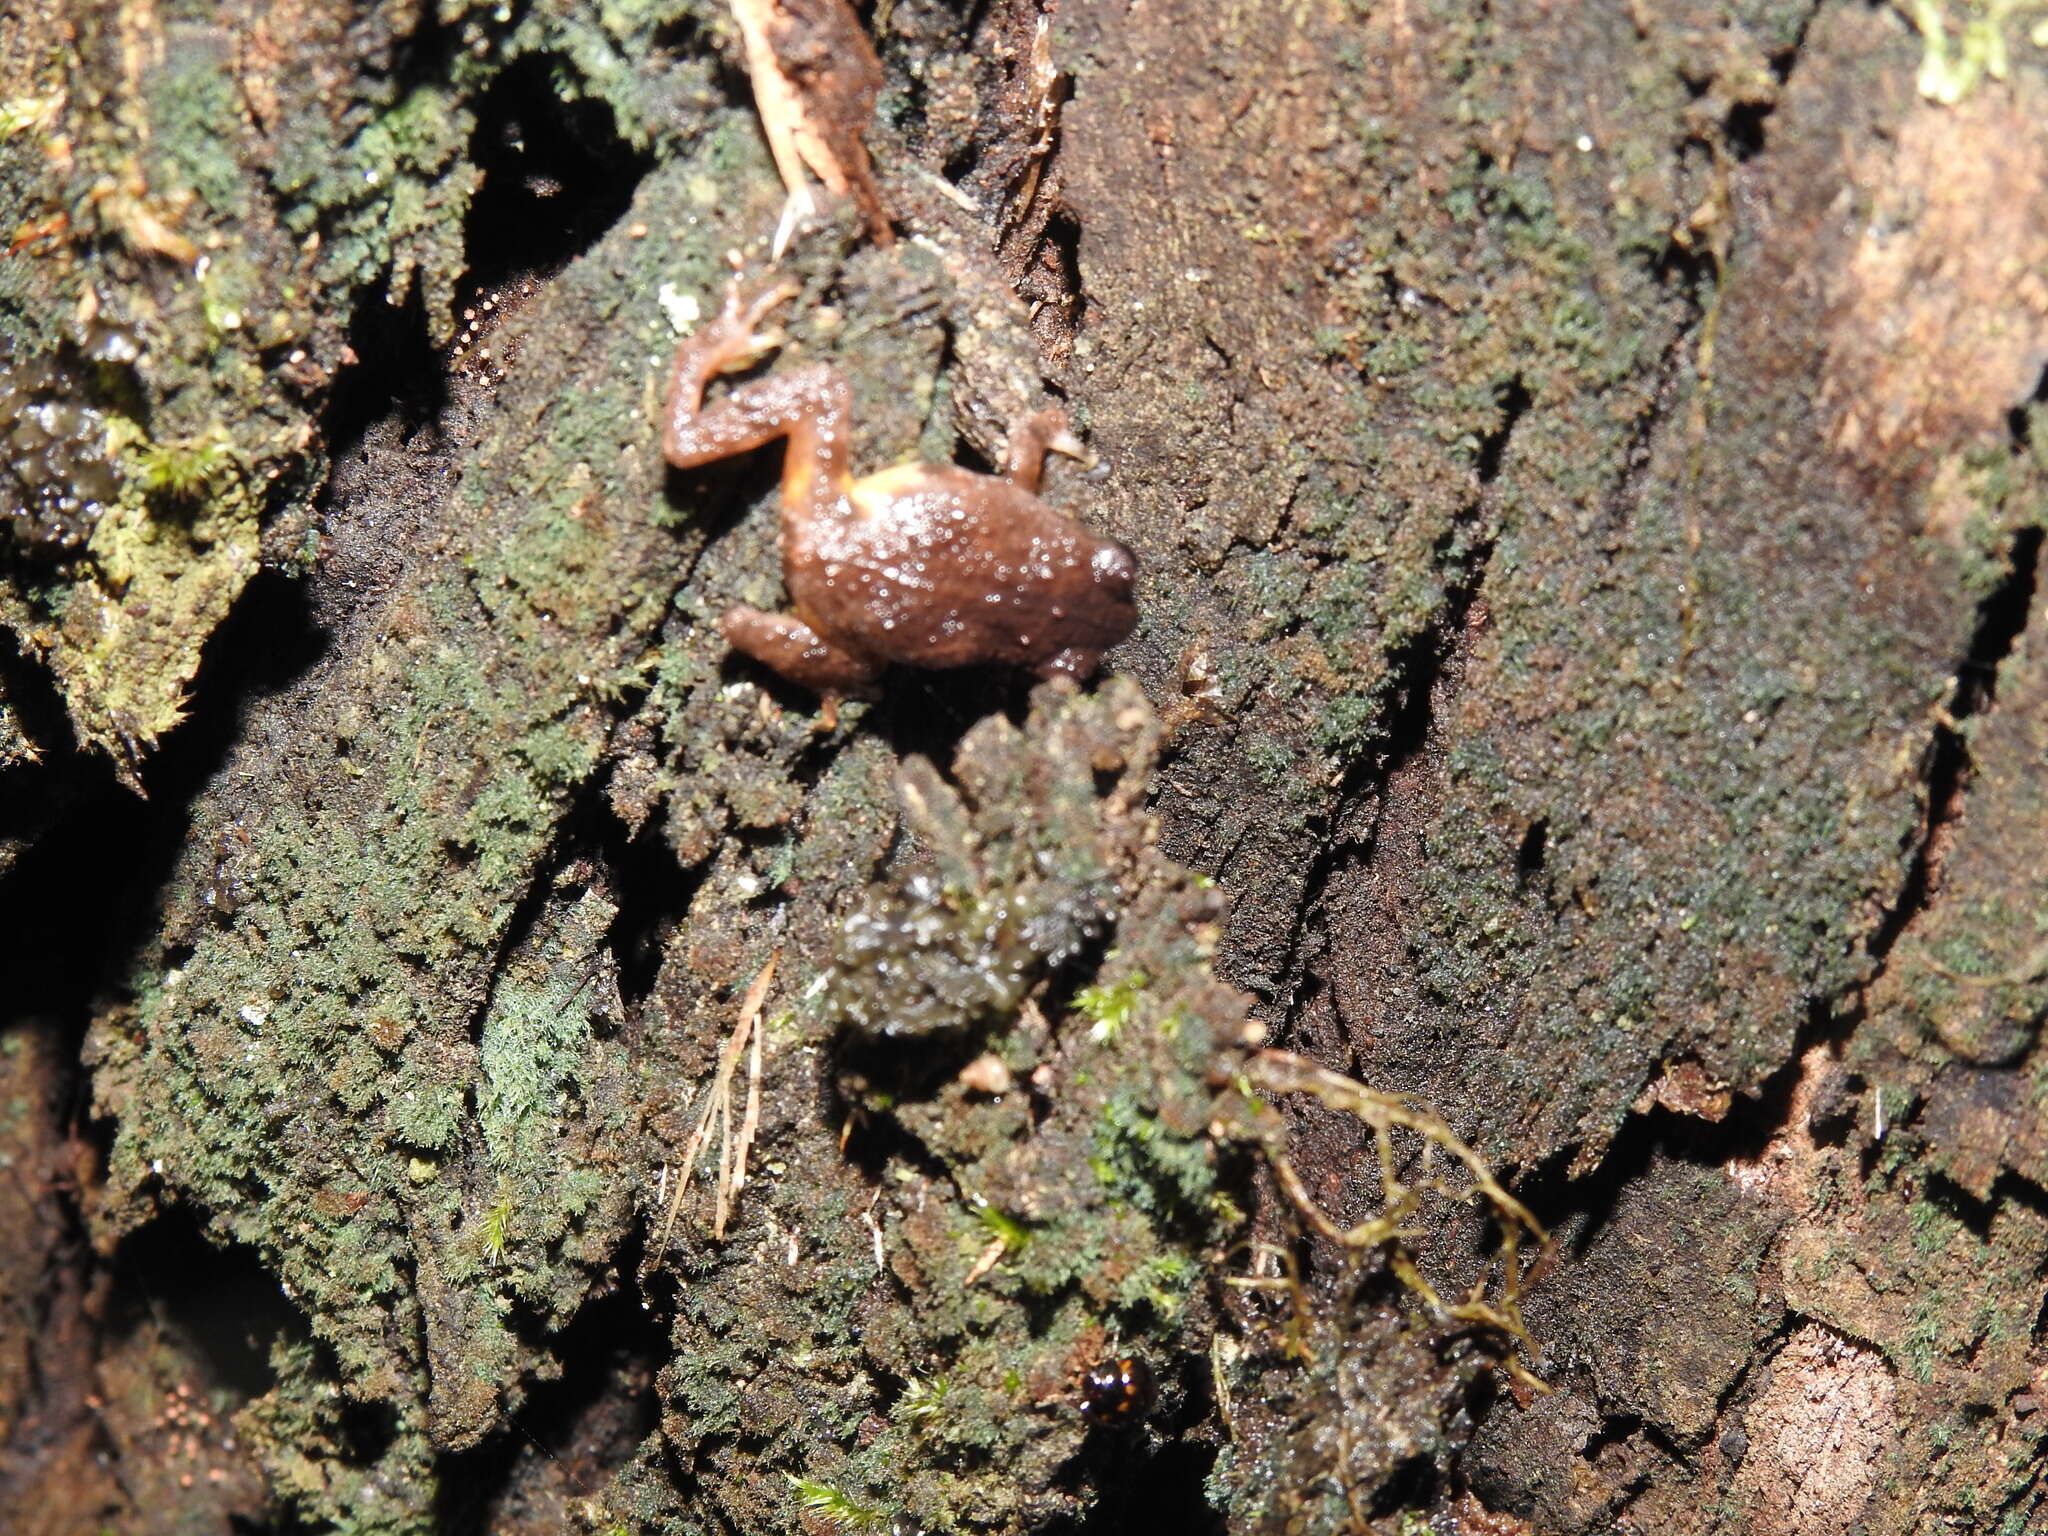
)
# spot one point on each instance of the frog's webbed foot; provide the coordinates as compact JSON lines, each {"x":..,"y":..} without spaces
{"x":787,"y":645}
{"x":733,"y":339}
{"x":1031,"y":439}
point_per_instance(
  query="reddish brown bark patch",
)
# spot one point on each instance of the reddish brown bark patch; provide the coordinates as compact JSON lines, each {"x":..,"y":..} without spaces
{"x":1941,"y":318}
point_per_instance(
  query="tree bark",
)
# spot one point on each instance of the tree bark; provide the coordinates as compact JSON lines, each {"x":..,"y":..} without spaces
{"x":1586,"y":464}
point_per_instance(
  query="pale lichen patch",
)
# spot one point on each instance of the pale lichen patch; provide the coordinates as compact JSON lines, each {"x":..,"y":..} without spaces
{"x":1817,"y":1434}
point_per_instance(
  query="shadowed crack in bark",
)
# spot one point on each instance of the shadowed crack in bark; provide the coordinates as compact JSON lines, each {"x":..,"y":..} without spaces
{"x":2002,"y":619}
{"x":1419,"y":669}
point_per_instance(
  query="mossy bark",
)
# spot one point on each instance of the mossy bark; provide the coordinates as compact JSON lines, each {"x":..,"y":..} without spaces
{"x":1588,"y":468}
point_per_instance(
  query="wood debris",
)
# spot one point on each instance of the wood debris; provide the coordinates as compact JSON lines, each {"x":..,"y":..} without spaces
{"x":815,"y":78}
{"x":732,"y":1148}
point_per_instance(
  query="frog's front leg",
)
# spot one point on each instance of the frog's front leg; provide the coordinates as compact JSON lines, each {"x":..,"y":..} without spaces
{"x":784,"y":643}
{"x":1031,"y":439}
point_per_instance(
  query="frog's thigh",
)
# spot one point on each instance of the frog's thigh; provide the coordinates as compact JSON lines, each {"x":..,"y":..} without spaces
{"x":790,"y":646}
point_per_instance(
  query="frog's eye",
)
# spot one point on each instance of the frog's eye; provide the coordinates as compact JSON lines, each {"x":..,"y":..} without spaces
{"x":1115,"y":567}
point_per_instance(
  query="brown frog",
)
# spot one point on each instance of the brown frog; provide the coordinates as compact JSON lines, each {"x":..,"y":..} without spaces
{"x":925,"y":564}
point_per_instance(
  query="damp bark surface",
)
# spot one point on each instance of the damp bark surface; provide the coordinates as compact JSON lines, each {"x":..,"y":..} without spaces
{"x":478,"y":1056}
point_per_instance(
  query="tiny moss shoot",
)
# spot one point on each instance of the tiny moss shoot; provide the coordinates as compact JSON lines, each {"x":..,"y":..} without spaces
{"x":1002,"y":1226}
{"x":1110,"y":1007}
{"x":924,"y":1399}
{"x":1962,"y":44}
{"x":835,"y":1505}
{"x":496,"y":1227}
{"x":183,"y":472}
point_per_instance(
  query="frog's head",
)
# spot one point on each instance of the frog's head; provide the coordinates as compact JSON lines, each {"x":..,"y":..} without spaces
{"x":1115,"y":570}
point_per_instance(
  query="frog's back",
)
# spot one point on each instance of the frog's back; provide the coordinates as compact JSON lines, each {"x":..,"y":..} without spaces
{"x":935,"y":566}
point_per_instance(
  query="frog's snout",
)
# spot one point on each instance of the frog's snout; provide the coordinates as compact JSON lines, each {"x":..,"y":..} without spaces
{"x":1115,"y":568}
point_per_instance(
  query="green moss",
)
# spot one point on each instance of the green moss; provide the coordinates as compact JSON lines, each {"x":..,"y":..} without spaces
{"x":184,"y":472}
{"x":1029,"y":834}
{"x":193,"y":101}
{"x":389,"y":206}
{"x":358,"y":1014}
{"x":838,"y":1509}
{"x":133,"y":629}
{"x":1001,"y":1226}
{"x":1167,"y":1176}
{"x":1110,"y":1007}
{"x":273,"y":215}
{"x":923,"y":1400}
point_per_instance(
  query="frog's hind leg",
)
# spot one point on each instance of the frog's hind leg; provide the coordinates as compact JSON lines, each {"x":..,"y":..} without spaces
{"x":809,"y":406}
{"x":1031,"y":439}
{"x":786,"y":644}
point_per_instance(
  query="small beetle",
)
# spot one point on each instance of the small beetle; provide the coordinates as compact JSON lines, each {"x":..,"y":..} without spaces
{"x":1117,"y":1392}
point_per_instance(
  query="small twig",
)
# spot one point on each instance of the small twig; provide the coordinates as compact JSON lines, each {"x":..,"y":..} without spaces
{"x":2027,"y":972}
{"x":732,"y":1158}
{"x":723,"y":1193}
{"x":875,"y":1228}
{"x":1289,"y":1283}
{"x":946,"y":189}
{"x":991,"y":1256}
{"x":752,"y":1120}
{"x":1219,"y":1373}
